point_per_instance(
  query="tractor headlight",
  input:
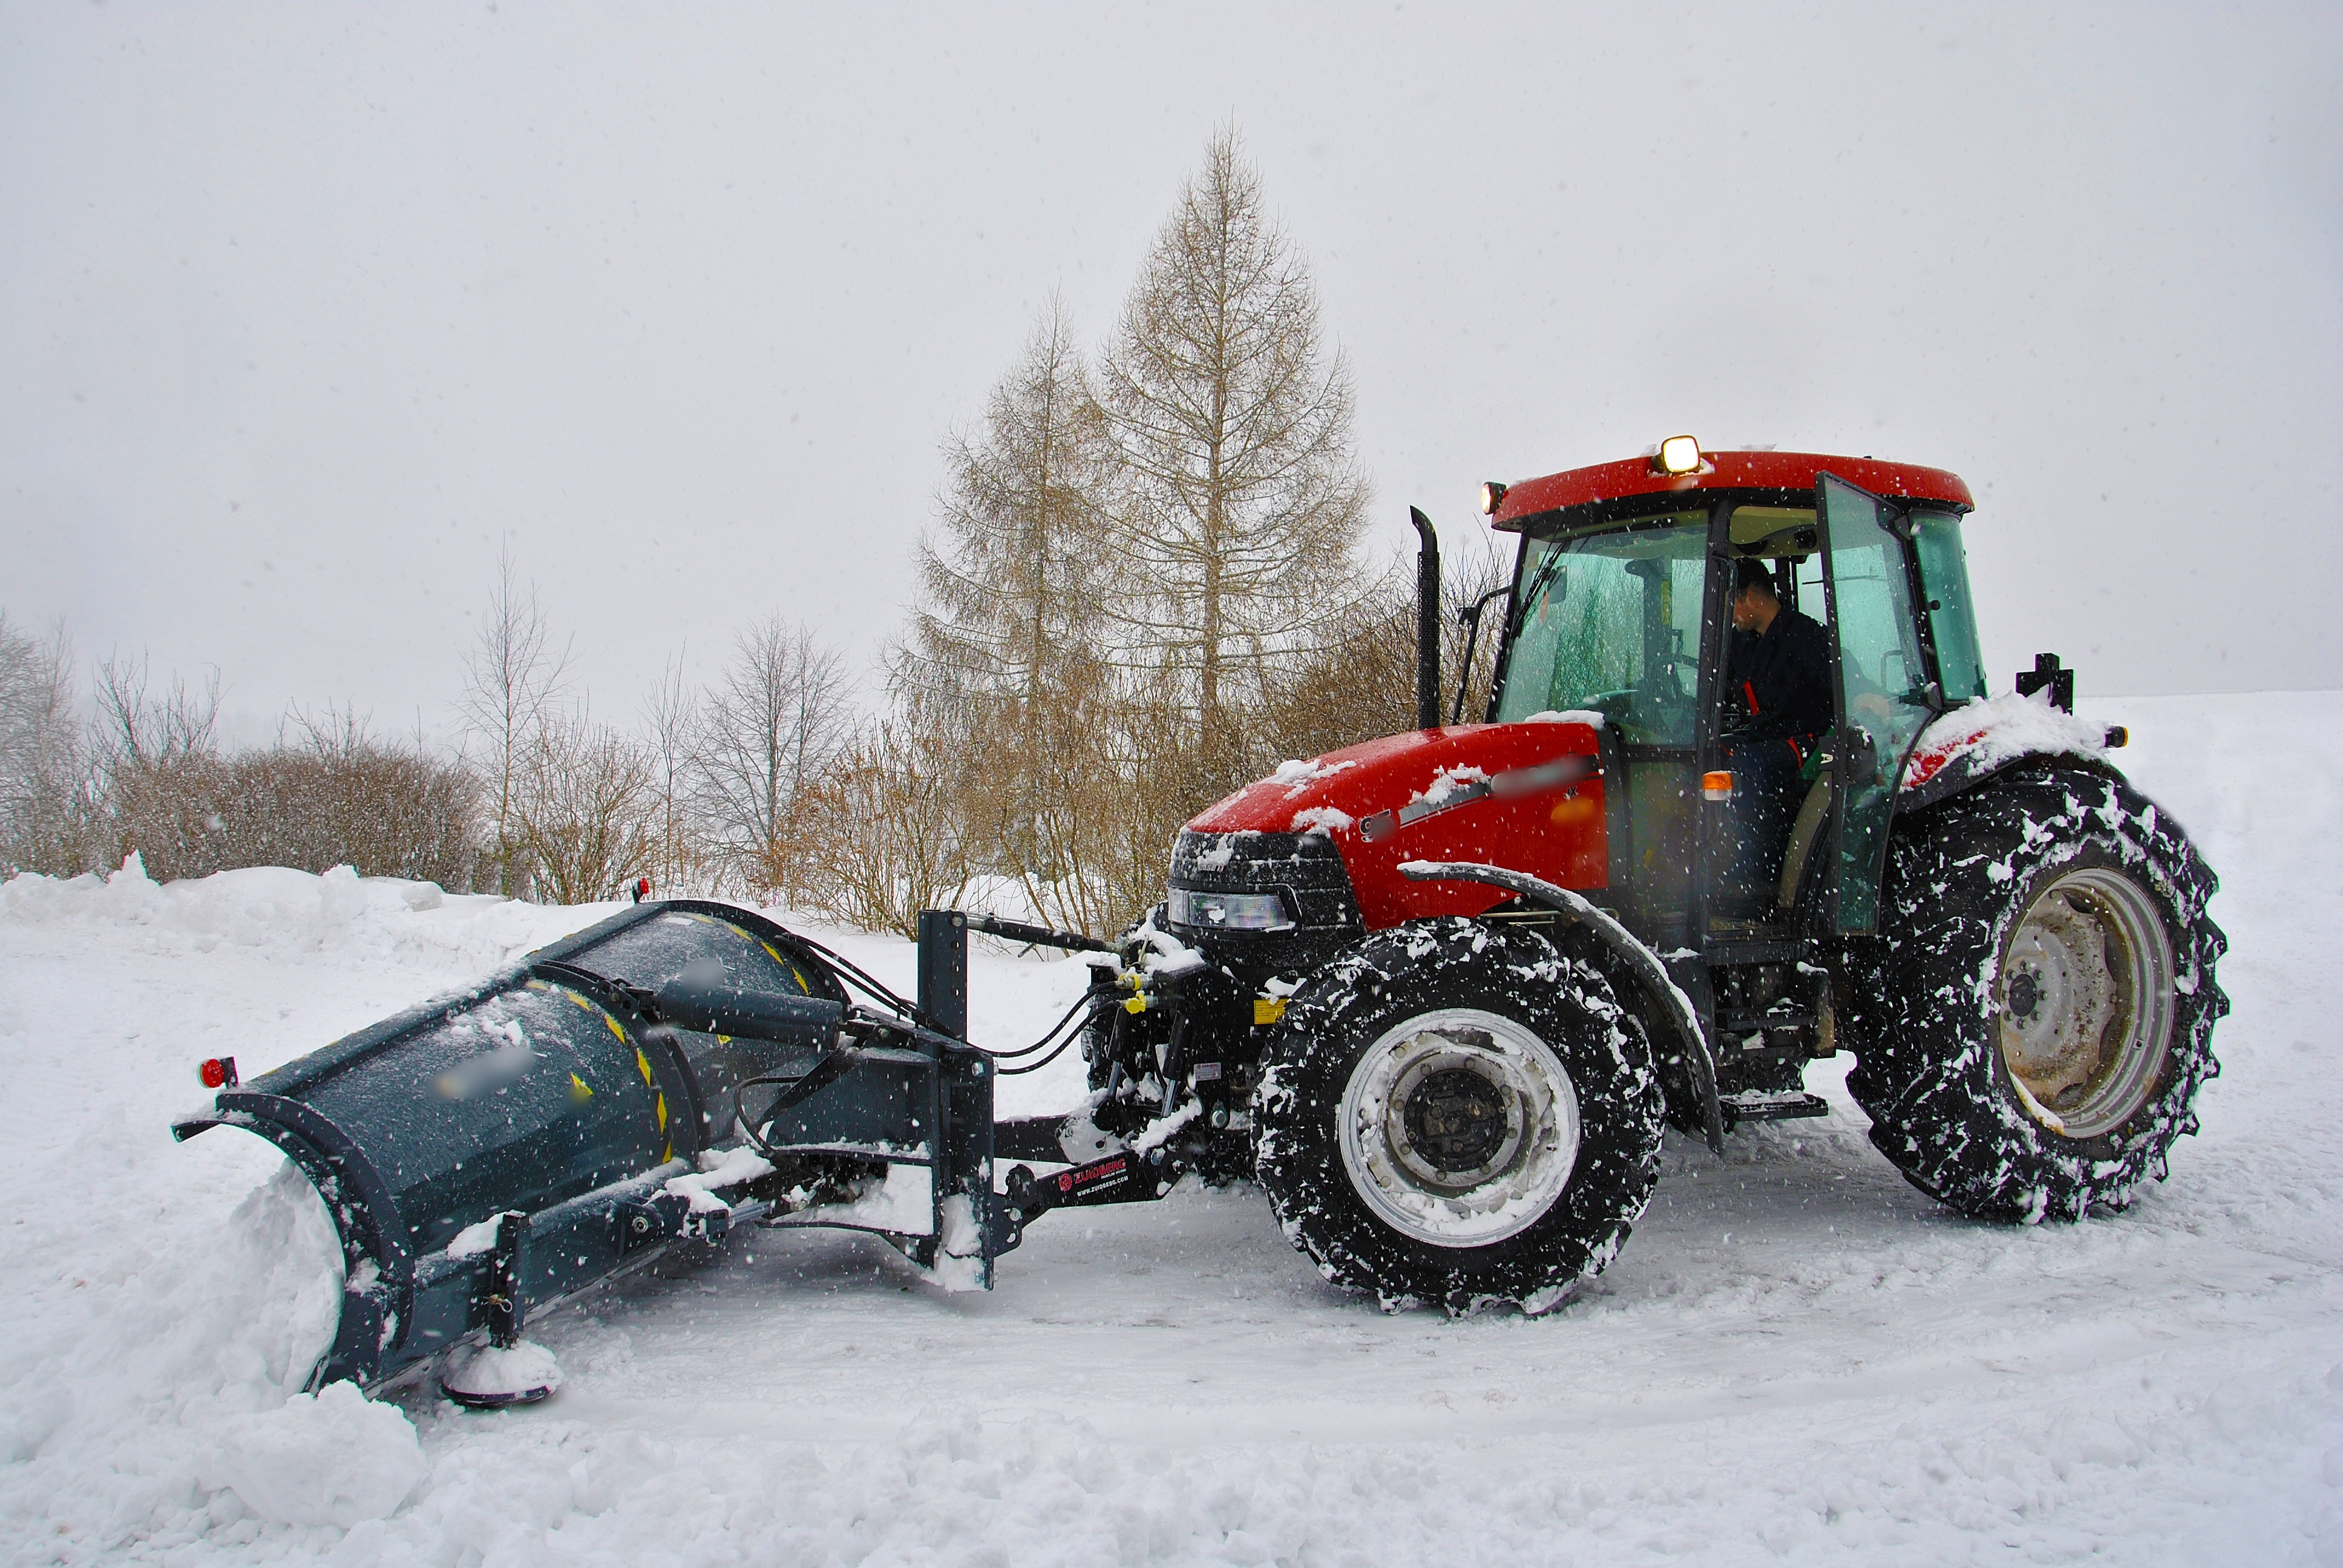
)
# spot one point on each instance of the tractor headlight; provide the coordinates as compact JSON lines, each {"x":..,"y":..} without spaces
{"x":1230,"y":911}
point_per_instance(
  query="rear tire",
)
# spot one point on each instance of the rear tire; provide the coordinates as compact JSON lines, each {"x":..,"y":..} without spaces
{"x":2037,"y":1015}
{"x":1459,"y":1115}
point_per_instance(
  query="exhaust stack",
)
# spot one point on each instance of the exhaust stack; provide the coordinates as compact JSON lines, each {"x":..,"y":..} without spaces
{"x":1427,"y":622}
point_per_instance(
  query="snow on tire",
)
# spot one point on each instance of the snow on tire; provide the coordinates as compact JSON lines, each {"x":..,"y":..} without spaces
{"x":2034,"y":1023}
{"x":1458,"y":1114}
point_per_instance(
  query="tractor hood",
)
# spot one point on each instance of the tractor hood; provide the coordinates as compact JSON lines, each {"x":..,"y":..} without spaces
{"x":1526,"y":796}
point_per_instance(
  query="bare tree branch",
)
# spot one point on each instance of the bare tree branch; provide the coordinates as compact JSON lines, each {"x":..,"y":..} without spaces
{"x":775,"y":719}
{"x":511,"y":677}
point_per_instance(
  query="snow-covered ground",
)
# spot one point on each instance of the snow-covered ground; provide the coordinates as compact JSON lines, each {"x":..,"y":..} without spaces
{"x":1797,"y":1356}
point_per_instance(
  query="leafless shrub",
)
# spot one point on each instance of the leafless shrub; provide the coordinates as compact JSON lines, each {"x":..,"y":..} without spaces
{"x":679,"y":860}
{"x":1160,"y":776}
{"x":329,"y":793}
{"x":768,"y":730}
{"x":880,"y":840}
{"x":163,"y":783}
{"x":584,"y":815}
{"x":1473,"y":567}
{"x":1362,"y":683}
{"x":1357,"y":686}
{"x":45,"y":775}
{"x":136,"y":723}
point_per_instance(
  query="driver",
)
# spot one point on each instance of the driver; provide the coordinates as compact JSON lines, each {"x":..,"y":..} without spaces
{"x":1778,"y":698}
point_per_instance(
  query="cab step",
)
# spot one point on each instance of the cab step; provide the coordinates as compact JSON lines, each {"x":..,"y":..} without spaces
{"x":1771,"y":1105}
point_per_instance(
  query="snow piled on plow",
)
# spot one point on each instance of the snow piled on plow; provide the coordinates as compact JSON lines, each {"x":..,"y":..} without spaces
{"x":1795,"y":1358}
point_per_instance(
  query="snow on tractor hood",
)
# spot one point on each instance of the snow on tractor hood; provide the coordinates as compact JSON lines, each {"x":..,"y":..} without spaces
{"x":1976,"y":738}
{"x":1528,"y":795}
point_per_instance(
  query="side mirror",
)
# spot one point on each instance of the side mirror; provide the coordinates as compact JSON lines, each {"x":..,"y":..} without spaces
{"x":1862,"y":757}
{"x":1930,"y":697}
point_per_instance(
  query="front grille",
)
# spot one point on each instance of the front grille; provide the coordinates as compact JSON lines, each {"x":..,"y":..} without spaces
{"x":1305,"y":866}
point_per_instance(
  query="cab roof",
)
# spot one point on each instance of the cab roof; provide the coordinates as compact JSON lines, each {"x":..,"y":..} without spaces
{"x":1724,"y":471}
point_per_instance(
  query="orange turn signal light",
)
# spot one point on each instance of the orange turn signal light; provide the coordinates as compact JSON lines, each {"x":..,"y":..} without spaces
{"x":1717,"y":786}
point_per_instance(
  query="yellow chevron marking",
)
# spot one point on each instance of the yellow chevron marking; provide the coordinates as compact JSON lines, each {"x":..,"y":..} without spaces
{"x":644,"y":1062}
{"x":579,"y":1090}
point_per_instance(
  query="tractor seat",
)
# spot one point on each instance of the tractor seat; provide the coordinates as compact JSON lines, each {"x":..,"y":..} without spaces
{"x":1814,"y":816}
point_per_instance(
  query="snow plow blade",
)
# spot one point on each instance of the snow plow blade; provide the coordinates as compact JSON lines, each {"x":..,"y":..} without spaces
{"x":681,"y":1067}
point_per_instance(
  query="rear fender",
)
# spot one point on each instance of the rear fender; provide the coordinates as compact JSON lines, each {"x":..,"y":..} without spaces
{"x":1969,"y":744}
{"x":1670,"y":1010}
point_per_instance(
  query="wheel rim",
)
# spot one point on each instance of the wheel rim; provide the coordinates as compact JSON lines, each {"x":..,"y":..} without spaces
{"x":2084,"y":1002}
{"x":1459,"y":1128}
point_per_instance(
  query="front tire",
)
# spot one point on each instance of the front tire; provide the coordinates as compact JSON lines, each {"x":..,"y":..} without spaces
{"x":1458,"y":1114}
{"x":2039,"y":1013}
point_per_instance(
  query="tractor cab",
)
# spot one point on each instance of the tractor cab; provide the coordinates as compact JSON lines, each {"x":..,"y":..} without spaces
{"x":1726,"y":832}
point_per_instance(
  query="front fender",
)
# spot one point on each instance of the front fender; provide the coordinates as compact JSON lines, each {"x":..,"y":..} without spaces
{"x":1669,"y":1006}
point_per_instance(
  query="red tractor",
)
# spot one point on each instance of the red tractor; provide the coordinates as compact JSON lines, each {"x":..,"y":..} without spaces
{"x":1442,"y":991}
{"x":1439,"y":992}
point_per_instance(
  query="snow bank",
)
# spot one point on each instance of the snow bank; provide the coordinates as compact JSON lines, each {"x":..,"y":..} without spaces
{"x":335,"y":1457}
{"x":287,"y":912}
{"x":166,"y":1377}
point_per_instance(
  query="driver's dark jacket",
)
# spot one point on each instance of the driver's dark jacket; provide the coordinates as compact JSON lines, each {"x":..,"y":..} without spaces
{"x":1777,"y":683}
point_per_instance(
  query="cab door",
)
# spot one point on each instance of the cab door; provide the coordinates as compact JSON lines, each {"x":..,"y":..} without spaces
{"x":1882,"y":691}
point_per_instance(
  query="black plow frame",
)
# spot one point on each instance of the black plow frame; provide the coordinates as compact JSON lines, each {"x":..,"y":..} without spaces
{"x":467,"y":1202}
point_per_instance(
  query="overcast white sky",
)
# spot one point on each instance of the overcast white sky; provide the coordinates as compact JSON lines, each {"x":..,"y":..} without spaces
{"x":304,"y":307}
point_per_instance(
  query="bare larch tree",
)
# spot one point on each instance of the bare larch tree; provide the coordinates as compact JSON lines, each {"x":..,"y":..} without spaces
{"x":1006,"y":656}
{"x":1240,"y":502}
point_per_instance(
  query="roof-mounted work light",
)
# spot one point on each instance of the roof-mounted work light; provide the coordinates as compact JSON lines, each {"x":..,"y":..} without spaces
{"x":1492,"y":496}
{"x":1679,"y":455}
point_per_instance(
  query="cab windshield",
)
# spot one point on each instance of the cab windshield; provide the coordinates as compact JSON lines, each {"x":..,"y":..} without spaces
{"x":1611,"y":624}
